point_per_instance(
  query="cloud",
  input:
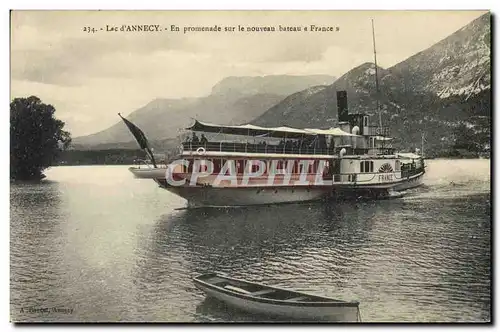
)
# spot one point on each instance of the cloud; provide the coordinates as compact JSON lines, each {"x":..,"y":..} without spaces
{"x":90,"y":77}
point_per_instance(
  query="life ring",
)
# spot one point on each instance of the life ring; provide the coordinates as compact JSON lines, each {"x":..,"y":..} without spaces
{"x":201,"y":151}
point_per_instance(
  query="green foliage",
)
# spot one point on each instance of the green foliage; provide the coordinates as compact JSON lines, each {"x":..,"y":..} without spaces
{"x":473,"y":136}
{"x":36,"y":138}
{"x":100,"y":157}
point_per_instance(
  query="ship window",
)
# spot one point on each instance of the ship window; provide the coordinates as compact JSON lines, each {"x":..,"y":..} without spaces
{"x":216,"y":165}
{"x":365,"y":121}
{"x":255,"y":168}
{"x":202,"y":166}
{"x":229,"y":166}
{"x":398,"y":166}
{"x":241,"y":167}
{"x":366,"y":166}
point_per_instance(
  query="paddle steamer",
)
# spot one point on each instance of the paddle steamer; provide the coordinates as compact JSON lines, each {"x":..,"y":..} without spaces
{"x":249,"y":165}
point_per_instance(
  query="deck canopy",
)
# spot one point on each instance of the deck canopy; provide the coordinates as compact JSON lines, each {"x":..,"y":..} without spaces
{"x":331,"y":131}
{"x":251,"y":130}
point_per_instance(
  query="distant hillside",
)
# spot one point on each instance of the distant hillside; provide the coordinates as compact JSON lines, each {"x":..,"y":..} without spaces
{"x":234,"y":100}
{"x":433,"y":91}
{"x":282,"y":85}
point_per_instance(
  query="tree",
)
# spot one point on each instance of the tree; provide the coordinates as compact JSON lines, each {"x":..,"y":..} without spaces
{"x":36,"y":138}
{"x":464,"y":138}
{"x":473,"y":136}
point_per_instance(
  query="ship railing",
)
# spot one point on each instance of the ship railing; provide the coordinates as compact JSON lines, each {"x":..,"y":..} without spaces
{"x":377,"y":131}
{"x":378,"y":151}
{"x":255,"y":148}
{"x":410,"y":170}
{"x":349,"y":151}
{"x":279,"y":149}
{"x":148,"y":164}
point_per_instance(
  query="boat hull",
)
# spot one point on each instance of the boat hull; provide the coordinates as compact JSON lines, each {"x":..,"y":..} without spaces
{"x":147,"y":173}
{"x":207,"y":196}
{"x":243,"y":196}
{"x":320,"y":309}
{"x":411,"y":182}
{"x":338,"y":314}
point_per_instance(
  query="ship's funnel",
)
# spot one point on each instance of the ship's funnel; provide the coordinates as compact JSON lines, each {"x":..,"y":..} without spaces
{"x":343,"y":112}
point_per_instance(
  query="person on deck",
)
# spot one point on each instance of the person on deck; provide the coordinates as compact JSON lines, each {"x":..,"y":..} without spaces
{"x":332,"y":145}
{"x":203,"y":140}
{"x":194,"y":140}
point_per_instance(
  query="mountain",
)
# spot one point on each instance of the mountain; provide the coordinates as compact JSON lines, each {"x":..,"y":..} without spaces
{"x":234,"y":100}
{"x":282,"y":85}
{"x":316,"y":106}
{"x":458,"y":65}
{"x":432,"y":92}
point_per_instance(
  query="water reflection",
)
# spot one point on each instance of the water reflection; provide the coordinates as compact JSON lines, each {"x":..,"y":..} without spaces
{"x":251,"y":241}
{"x":373,"y":251}
{"x":115,"y":249}
{"x":35,"y":245}
{"x":212,"y":310}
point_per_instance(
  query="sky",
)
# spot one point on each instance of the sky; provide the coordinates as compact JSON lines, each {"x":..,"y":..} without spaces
{"x":90,"y":77}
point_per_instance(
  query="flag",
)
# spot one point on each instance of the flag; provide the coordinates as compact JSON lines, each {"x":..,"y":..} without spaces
{"x":138,"y":134}
{"x":139,"y":137}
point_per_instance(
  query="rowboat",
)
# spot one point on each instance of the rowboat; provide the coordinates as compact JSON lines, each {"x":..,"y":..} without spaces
{"x":273,"y":301}
{"x":147,"y":173}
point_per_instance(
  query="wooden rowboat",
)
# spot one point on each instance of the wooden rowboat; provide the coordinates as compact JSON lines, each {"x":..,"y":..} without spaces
{"x":273,"y":301}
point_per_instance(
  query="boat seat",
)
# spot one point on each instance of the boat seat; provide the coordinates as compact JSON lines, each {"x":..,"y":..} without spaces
{"x":262,"y":292}
{"x":215,"y":280}
{"x":237,"y":289}
{"x":299,"y":298}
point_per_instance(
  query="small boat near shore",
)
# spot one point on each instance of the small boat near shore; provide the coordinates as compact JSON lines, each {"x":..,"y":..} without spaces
{"x":143,"y":169}
{"x":273,"y":301}
{"x":147,"y":173}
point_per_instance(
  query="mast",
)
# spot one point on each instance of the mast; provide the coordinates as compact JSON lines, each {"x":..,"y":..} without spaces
{"x":376,"y":77}
{"x":423,"y":137}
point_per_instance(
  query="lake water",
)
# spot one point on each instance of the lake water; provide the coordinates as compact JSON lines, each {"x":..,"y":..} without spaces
{"x":100,"y":246}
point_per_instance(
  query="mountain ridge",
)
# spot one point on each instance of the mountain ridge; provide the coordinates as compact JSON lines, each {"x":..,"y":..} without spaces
{"x":433,"y":91}
{"x":411,"y":92}
{"x":230,"y":104}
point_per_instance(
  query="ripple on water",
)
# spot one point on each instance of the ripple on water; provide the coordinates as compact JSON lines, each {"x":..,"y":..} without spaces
{"x":124,"y":254}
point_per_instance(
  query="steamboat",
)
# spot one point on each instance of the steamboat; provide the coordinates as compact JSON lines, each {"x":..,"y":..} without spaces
{"x":252,"y":165}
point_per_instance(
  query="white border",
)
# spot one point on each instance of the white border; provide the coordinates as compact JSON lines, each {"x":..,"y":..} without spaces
{"x":259,"y":5}
{"x":198,"y":4}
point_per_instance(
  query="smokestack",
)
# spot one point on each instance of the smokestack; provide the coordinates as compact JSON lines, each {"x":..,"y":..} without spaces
{"x":343,"y":112}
